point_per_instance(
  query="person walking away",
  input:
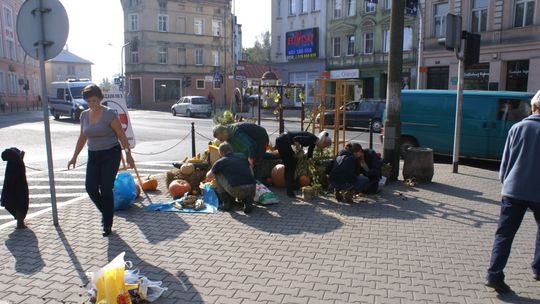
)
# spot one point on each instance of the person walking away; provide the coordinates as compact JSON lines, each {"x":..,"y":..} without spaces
{"x":211,"y":99}
{"x":519,"y":178}
{"x":15,"y":197}
{"x":246,"y":138}
{"x":234,"y":179}
{"x":284,"y":144}
{"x":101,"y":129}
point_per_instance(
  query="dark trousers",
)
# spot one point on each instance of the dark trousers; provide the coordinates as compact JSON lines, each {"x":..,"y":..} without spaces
{"x":283,"y":145}
{"x":101,"y":172}
{"x":512,"y":213}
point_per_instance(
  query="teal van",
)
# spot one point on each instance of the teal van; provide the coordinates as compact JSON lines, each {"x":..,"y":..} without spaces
{"x":428,"y":120}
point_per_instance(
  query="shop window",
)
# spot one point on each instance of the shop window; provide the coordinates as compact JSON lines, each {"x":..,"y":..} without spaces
{"x":166,"y":90}
{"x":513,"y":110}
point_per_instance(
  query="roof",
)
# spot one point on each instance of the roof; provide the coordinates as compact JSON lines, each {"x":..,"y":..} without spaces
{"x":67,"y":56}
{"x":256,"y":70}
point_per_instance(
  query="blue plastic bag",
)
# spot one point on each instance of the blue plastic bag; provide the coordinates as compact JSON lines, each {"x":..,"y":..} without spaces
{"x":124,"y":191}
{"x":210,"y":197}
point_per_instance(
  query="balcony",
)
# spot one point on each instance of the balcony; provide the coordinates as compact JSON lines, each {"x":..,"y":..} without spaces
{"x":377,"y":58}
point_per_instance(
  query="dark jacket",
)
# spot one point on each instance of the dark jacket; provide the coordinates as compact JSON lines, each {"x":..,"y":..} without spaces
{"x":15,"y":188}
{"x":343,"y":169}
{"x":305,"y":139}
{"x":519,"y":164}
{"x":250,"y":139}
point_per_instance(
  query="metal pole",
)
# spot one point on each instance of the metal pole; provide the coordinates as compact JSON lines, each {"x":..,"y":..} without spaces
{"x":459,"y":102}
{"x":392,"y":130}
{"x":41,"y":50}
{"x":370,"y":134}
{"x":25,"y":82}
{"x":420,"y":56}
{"x":281,"y":123}
{"x":193,"y":152}
{"x":259,"y":107}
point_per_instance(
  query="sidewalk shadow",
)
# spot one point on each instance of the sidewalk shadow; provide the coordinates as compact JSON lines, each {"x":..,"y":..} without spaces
{"x":180,"y":289}
{"x":289,"y":217}
{"x":24,"y":247}
{"x":155,"y":226}
{"x":515,"y":298}
{"x":72,"y":255}
{"x":466,"y":194}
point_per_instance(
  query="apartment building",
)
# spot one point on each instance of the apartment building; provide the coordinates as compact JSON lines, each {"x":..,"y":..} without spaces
{"x":510,"y":44}
{"x":19,"y":73}
{"x":298,"y":40}
{"x":358,"y":44}
{"x":178,"y":48}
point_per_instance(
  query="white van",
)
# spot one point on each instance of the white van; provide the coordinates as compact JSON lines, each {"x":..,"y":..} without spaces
{"x":65,"y":98}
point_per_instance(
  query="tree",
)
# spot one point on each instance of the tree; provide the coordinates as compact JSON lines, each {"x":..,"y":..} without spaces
{"x":260,"y":52}
{"x":105,"y":84}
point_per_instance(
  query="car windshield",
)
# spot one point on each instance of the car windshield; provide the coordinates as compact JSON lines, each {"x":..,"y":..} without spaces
{"x":200,"y":101}
{"x":76,"y":92}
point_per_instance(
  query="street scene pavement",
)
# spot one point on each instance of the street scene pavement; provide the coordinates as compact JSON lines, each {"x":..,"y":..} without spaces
{"x":425,"y":244}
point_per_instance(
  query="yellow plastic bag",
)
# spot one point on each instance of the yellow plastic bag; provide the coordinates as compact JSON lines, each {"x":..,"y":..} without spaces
{"x":109,"y":283}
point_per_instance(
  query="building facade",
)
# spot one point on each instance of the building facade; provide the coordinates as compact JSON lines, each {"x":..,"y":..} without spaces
{"x":358,"y":44}
{"x":178,"y":48}
{"x":509,"y":48}
{"x":67,"y":65}
{"x":298,"y":42}
{"x":19,"y":73}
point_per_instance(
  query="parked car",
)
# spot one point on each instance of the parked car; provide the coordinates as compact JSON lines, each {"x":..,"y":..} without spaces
{"x":358,"y":114}
{"x":65,"y":98}
{"x":192,"y":105}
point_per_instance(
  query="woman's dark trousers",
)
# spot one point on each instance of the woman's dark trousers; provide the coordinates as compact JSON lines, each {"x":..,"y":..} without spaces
{"x":283,"y":145}
{"x":100,"y":175}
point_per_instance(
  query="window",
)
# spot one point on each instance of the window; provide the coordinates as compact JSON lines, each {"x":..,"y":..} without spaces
{"x":133,"y":22}
{"x":71,"y":69}
{"x":337,"y":9}
{"x":278,"y":44}
{"x":368,"y":43}
{"x":200,"y":84}
{"x":336,"y":47}
{"x":387,"y":4}
{"x":292,"y":7}
{"x":11,"y":50}
{"x":163,"y":4}
{"x":351,"y":8}
{"x":181,"y":56}
{"x":216,"y":28}
{"x":479,"y":16}
{"x":12,"y":84}
{"x":134,"y":52}
{"x":166,"y":90}
{"x":163,"y":55}
{"x":181,"y":24}
{"x":1,"y":47}
{"x":523,"y":13}
{"x":440,"y":19}
{"x":407,"y":40}
{"x":513,"y":109}
{"x":316,"y":5}
{"x":8,"y":17}
{"x":350,"y":45}
{"x":2,"y":87}
{"x":217,"y":84}
{"x":133,"y":3}
{"x":215,"y":55}
{"x":199,"y":26}
{"x":278,"y":8}
{"x":163,"y":23}
{"x":369,"y":7}
{"x":303,"y":6}
{"x":199,"y":57}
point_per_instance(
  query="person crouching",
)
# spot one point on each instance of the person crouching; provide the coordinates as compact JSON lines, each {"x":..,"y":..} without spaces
{"x":234,"y":179}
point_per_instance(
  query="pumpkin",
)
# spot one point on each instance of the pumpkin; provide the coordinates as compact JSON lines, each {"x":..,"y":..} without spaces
{"x":149,"y":183}
{"x":138,"y":190}
{"x":304,"y":180}
{"x":179,"y":187}
{"x":268,"y":181}
{"x":187,"y":169}
{"x":278,"y":175}
{"x":213,"y":151}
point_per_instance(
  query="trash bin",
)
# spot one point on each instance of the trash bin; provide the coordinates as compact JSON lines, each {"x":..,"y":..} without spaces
{"x":418,"y":164}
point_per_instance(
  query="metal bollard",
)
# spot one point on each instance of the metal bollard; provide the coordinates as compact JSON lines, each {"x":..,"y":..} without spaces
{"x":193,"y":139}
{"x":370,"y":134}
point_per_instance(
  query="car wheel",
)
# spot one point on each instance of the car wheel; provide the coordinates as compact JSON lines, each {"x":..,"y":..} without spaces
{"x":376,"y":126}
{"x":406,"y":143}
{"x":75,"y":115}
{"x":188,"y":113}
{"x":56,"y":116}
{"x":173,"y":112}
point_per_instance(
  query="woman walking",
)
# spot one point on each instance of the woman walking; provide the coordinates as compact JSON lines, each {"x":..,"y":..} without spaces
{"x":101,"y":129}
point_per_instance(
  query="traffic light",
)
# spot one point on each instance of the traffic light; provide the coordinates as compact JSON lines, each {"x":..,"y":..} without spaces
{"x":472,"y":49}
{"x":187,"y":81}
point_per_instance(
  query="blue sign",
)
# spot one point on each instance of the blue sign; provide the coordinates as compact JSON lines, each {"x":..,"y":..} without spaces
{"x":302,"y":44}
{"x":217,"y":76}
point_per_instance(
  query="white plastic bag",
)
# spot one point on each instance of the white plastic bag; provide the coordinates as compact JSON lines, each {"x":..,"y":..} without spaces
{"x":150,"y":290}
{"x":264,"y":196}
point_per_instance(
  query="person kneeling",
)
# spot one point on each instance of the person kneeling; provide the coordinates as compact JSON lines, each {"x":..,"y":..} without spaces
{"x":354,"y":170}
{"x":234,"y":179}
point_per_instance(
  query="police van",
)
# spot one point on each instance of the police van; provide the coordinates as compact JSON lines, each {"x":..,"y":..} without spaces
{"x":65,"y":98}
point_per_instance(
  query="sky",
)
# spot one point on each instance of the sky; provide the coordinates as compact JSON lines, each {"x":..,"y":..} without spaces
{"x":96,"y":30}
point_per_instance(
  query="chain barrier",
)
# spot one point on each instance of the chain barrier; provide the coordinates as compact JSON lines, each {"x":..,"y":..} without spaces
{"x":203,"y":136}
{"x":168,"y":149}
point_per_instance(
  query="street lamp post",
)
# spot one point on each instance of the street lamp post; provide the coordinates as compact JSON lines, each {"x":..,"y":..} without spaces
{"x":122,"y":65}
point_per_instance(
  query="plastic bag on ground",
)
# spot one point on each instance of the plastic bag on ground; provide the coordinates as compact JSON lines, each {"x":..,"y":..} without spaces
{"x":124,"y":191}
{"x":109,"y":282}
{"x":264,"y":196}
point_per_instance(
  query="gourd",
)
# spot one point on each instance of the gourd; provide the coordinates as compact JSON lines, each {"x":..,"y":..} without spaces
{"x":278,"y":175}
{"x":187,"y":169}
{"x":179,"y":187}
{"x":150,"y":183}
{"x":304,"y":180}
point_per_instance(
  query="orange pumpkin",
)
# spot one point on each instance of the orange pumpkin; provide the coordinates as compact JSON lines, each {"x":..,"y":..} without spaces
{"x":304,"y":180}
{"x":268,"y":180}
{"x":278,"y":175}
{"x":149,"y":183}
{"x":179,"y":187}
{"x":138,"y":190}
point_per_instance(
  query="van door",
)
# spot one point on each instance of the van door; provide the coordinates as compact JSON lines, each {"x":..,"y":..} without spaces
{"x":505,"y":113}
{"x":476,"y":125}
